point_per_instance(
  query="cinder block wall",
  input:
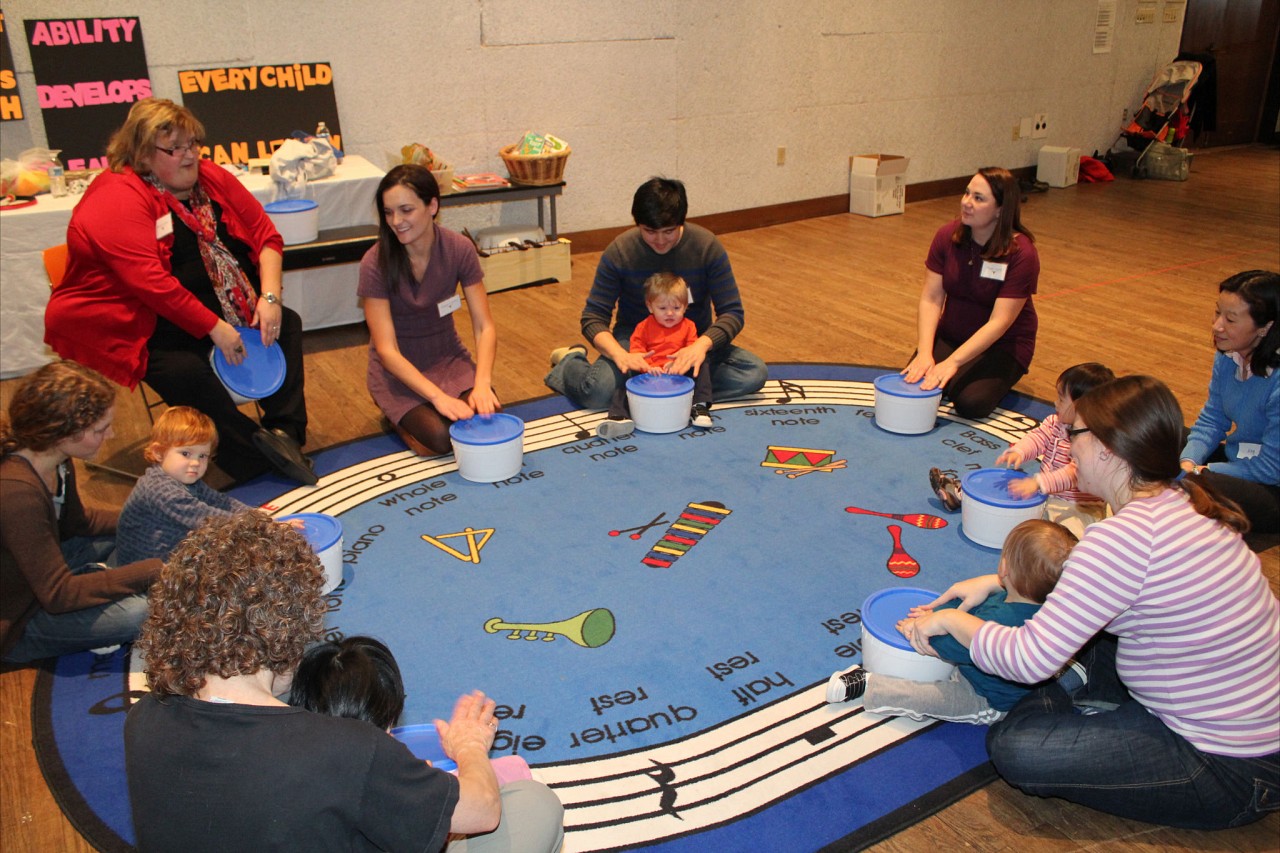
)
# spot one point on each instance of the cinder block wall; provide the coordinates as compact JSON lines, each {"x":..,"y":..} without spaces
{"x":703,"y":90}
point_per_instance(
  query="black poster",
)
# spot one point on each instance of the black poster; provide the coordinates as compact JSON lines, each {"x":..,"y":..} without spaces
{"x":248,"y":112}
{"x":89,"y":72}
{"x":10,"y":103}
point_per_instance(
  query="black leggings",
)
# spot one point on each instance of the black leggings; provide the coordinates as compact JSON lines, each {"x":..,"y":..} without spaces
{"x":979,"y":386}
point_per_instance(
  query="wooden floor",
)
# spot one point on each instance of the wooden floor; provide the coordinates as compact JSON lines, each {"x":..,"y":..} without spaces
{"x":1129,"y":275}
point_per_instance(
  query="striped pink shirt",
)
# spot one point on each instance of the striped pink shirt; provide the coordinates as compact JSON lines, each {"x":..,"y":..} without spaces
{"x":1057,"y":469}
{"x":1197,"y":623}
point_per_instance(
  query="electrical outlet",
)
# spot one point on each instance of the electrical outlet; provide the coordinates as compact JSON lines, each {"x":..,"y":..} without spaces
{"x":782,"y":155}
{"x":1040,"y":128}
{"x":1124,"y":117}
{"x":1026,"y":128}
{"x":1017,"y":132}
{"x":1172,"y":10}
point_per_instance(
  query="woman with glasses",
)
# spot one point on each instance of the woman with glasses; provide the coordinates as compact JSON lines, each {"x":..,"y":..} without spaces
{"x":1174,"y":714}
{"x":167,"y":254}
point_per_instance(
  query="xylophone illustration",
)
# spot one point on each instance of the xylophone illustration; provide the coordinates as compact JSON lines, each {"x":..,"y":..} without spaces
{"x":696,"y":520}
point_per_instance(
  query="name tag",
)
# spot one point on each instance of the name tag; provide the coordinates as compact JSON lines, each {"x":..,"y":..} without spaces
{"x":448,"y":306}
{"x":993,"y":270}
{"x":1247,"y":450}
{"x":164,"y":226}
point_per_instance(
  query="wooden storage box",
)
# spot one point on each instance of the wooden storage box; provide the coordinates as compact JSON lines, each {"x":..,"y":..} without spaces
{"x":504,"y":270}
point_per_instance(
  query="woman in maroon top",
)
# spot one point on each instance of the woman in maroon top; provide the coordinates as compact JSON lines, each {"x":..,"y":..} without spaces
{"x":976,"y":325}
{"x":420,"y":373}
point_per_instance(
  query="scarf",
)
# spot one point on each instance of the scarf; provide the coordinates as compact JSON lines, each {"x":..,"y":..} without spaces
{"x":235,"y":294}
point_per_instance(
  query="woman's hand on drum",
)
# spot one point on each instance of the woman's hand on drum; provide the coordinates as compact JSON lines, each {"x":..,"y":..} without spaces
{"x":266,"y":318}
{"x":971,"y":593}
{"x":227,"y":339}
{"x":452,"y":408}
{"x":483,"y":400}
{"x":919,"y":366}
{"x":472,"y":725}
{"x":939,"y":375}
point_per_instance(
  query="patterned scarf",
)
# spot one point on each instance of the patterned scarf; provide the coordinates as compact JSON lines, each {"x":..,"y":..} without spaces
{"x":235,"y":294}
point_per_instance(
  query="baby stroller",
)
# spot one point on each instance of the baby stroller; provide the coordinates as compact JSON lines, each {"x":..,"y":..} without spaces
{"x":1164,"y":114}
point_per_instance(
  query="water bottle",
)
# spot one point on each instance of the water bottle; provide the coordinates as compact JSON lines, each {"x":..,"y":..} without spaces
{"x":57,"y":179}
{"x":322,"y":131}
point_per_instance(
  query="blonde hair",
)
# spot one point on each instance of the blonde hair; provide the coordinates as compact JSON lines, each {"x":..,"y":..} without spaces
{"x":180,"y":426}
{"x":1033,"y":554}
{"x":134,"y":143}
{"x":662,"y":284}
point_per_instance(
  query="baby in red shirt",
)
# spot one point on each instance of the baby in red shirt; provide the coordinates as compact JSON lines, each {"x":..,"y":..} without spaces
{"x":660,"y":336}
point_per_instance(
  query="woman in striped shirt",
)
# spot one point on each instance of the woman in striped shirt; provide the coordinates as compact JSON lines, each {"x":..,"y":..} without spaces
{"x":1178,"y":722}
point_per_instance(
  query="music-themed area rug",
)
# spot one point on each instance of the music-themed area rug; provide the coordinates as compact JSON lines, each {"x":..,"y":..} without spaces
{"x":656,"y":615}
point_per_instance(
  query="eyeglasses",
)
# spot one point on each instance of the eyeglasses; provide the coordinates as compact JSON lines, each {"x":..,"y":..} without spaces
{"x":1072,"y":432}
{"x":192,"y":146}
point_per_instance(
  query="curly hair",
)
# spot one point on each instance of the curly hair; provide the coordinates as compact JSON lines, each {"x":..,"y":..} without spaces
{"x":58,"y":401}
{"x":179,"y":426}
{"x":238,"y":595}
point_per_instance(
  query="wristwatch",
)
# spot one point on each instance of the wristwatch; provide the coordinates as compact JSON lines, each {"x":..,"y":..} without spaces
{"x":271,"y":298}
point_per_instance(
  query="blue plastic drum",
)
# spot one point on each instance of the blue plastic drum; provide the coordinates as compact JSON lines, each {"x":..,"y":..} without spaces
{"x":903,"y":407}
{"x":424,"y":742}
{"x":260,"y":374}
{"x":660,"y":402}
{"x":884,"y":649}
{"x":988,"y":511}
{"x":488,"y":448}
{"x":324,"y":534}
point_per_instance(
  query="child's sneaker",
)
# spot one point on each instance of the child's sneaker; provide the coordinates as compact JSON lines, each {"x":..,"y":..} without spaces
{"x":615,"y":427}
{"x":947,"y":488}
{"x":701,"y":415}
{"x":844,"y":686}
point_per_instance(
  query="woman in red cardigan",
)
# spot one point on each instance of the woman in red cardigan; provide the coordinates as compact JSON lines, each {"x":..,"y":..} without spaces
{"x":168,"y":253}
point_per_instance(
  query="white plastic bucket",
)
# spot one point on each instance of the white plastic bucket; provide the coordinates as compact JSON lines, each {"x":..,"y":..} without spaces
{"x":297,"y":219}
{"x":660,"y":402}
{"x":988,"y":512}
{"x":260,"y":374}
{"x":887,"y":652}
{"x":488,"y":448}
{"x":324,"y":535}
{"x":903,"y":407}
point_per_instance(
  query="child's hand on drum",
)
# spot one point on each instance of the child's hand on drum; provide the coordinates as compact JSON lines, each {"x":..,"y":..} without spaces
{"x":1024,"y":487}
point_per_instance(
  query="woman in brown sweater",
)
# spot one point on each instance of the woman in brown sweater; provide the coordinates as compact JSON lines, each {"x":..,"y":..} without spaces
{"x":57,"y":595}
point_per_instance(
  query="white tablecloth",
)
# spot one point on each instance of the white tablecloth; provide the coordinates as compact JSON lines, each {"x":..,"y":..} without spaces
{"x":324,"y":296}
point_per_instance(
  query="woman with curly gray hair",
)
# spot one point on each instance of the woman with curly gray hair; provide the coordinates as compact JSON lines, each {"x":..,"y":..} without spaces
{"x":59,"y":594}
{"x":216,"y":762}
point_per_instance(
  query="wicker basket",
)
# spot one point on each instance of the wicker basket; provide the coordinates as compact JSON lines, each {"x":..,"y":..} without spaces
{"x":534,"y":169}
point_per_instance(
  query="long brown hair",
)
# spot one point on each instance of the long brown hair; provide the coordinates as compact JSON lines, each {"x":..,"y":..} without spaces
{"x":58,"y":401}
{"x":1008,"y":197}
{"x":1138,"y":419}
{"x":393,"y":258}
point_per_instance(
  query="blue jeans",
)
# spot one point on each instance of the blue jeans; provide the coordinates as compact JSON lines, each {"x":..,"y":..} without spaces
{"x":48,"y":635}
{"x":1126,"y":762}
{"x":735,"y":372}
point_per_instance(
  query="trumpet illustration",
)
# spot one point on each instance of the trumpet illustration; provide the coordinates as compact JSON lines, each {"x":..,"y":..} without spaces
{"x":590,"y":629}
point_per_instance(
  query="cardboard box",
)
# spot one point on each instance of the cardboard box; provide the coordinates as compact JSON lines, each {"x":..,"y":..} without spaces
{"x":1058,"y":166}
{"x":504,"y":270}
{"x":877,"y":184}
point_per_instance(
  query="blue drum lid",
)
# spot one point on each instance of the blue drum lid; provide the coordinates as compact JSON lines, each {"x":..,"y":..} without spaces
{"x":322,"y":531}
{"x":660,"y":385}
{"x":424,"y":742}
{"x":991,"y":486}
{"x":487,"y":429}
{"x":260,"y":374}
{"x":882,"y":611}
{"x":293,"y":205}
{"x":894,"y":385}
